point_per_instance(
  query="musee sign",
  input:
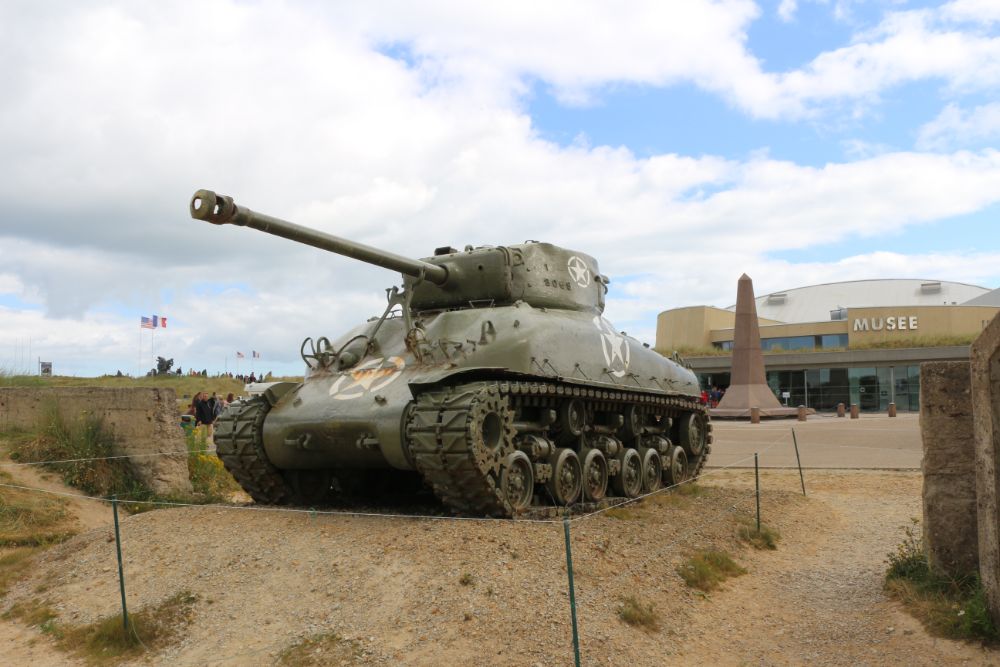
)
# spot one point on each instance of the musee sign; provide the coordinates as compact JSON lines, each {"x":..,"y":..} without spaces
{"x":897,"y":323}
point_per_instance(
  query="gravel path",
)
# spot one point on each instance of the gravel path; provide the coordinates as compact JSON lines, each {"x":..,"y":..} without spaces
{"x":397,"y":588}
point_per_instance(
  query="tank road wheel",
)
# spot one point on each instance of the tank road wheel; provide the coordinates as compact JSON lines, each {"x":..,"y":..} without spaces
{"x":677,"y":471}
{"x":595,"y":475}
{"x":517,"y":480}
{"x":628,"y":482}
{"x":652,"y":471}
{"x":309,"y":487}
{"x":693,"y":434}
{"x":567,"y":476}
{"x":572,"y":417}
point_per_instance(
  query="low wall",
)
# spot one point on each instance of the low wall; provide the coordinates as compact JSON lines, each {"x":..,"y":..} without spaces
{"x":143,"y":421}
{"x":949,"y":465}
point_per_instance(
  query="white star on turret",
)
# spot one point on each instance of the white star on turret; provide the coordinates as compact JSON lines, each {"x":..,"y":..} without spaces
{"x":578,"y":271}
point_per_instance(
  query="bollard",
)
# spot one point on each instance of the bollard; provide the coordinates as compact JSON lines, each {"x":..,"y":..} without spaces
{"x":798,"y":461}
{"x":840,"y":409}
{"x":892,"y":409}
{"x":121,"y":572}
{"x":855,"y":412}
{"x":802,"y":413}
{"x":756,"y":476}
{"x":572,"y":594}
{"x":754,"y":415}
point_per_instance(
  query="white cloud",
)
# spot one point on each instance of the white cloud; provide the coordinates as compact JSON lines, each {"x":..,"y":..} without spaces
{"x":974,"y":11}
{"x":957,"y":127}
{"x":115,"y":115}
{"x":787,"y":9}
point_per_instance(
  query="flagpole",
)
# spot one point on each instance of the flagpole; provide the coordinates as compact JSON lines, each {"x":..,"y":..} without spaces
{"x":138,"y":368}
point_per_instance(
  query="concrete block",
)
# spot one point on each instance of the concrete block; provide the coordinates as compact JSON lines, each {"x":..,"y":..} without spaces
{"x":949,"y":465}
{"x":143,"y":422}
{"x":755,"y":415}
{"x":985,"y":361}
{"x":855,"y":411}
{"x":840,"y":410}
{"x":802,"y":412}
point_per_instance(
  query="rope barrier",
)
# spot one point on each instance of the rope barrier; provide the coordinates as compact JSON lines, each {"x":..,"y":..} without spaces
{"x":106,"y":458}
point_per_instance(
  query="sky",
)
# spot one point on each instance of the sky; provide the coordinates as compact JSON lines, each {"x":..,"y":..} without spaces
{"x":680,"y":142}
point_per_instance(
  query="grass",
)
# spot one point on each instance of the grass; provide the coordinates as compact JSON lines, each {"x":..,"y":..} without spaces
{"x":678,"y":496}
{"x":466,"y":579}
{"x":105,"y":642}
{"x":32,"y":519}
{"x":706,"y":570}
{"x":320,"y":650}
{"x":637,"y":614}
{"x":765,"y":538}
{"x":14,"y":565}
{"x":916,"y":341}
{"x":626,"y":513}
{"x":948,"y":607}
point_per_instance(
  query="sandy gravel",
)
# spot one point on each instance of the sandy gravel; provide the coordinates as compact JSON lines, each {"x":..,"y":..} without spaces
{"x":394,"y":586}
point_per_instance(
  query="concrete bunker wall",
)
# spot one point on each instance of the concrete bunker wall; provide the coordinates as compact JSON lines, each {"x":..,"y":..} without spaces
{"x":985,"y":376}
{"x":949,"y":467}
{"x":143,"y":421}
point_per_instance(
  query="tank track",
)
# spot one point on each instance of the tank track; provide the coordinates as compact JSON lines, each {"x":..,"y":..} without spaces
{"x":239,"y":444}
{"x":442,"y":435}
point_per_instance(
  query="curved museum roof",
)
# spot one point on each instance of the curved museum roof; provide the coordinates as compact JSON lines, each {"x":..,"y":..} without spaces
{"x":817,"y":303}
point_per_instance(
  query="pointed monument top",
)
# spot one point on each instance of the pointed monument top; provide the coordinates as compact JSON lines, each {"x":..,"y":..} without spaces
{"x":744,"y":277}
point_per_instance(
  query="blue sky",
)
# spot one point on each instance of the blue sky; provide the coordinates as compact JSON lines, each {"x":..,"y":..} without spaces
{"x":681,"y":143}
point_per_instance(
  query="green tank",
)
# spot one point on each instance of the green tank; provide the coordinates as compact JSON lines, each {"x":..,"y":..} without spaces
{"x":491,"y":375}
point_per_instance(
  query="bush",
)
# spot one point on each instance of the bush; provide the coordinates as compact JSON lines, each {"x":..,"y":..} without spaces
{"x":706,"y":570}
{"x":765,"y":538}
{"x":948,"y":607}
{"x":209,"y":478}
{"x":637,"y":614}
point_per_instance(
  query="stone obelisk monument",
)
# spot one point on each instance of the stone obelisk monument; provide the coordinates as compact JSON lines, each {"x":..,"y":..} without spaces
{"x":748,"y":384}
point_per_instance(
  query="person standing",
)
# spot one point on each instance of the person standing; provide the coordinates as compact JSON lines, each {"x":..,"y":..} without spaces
{"x":205,"y":413}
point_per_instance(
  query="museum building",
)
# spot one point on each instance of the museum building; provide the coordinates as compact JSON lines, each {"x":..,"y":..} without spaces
{"x":857,"y":342}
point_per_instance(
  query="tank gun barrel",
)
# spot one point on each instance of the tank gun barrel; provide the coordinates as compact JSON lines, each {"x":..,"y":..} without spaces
{"x":221,"y":210}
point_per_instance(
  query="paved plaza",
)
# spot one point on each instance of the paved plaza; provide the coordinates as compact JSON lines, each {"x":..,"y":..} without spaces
{"x":825,"y":441}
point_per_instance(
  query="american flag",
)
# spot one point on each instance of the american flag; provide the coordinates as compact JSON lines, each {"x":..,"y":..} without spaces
{"x":240,"y":355}
{"x":147,"y":323}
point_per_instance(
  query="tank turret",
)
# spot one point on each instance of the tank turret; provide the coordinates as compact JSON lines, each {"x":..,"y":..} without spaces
{"x":501,"y":388}
{"x":540,"y":274}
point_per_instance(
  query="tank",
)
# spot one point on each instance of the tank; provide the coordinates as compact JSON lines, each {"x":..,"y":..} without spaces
{"x":491,"y":376}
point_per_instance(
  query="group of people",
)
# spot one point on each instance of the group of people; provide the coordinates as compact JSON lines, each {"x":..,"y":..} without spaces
{"x":206,"y":409}
{"x":247,"y":378}
{"x":712,"y":397}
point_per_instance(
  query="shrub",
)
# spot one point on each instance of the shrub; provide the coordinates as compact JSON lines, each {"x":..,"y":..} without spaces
{"x":948,"y":607}
{"x":765,"y":538}
{"x":706,"y":570}
{"x":638,"y":614}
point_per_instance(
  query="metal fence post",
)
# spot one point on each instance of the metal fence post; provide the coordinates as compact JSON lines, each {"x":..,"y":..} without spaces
{"x":756,"y":475}
{"x":799,"y":462}
{"x":572,"y":594}
{"x":121,"y":572}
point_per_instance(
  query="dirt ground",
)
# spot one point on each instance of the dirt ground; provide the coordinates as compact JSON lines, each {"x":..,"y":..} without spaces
{"x":433,"y":592}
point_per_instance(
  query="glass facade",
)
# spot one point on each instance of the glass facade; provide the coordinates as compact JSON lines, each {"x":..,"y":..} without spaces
{"x":796,"y":343}
{"x":872,"y":388}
